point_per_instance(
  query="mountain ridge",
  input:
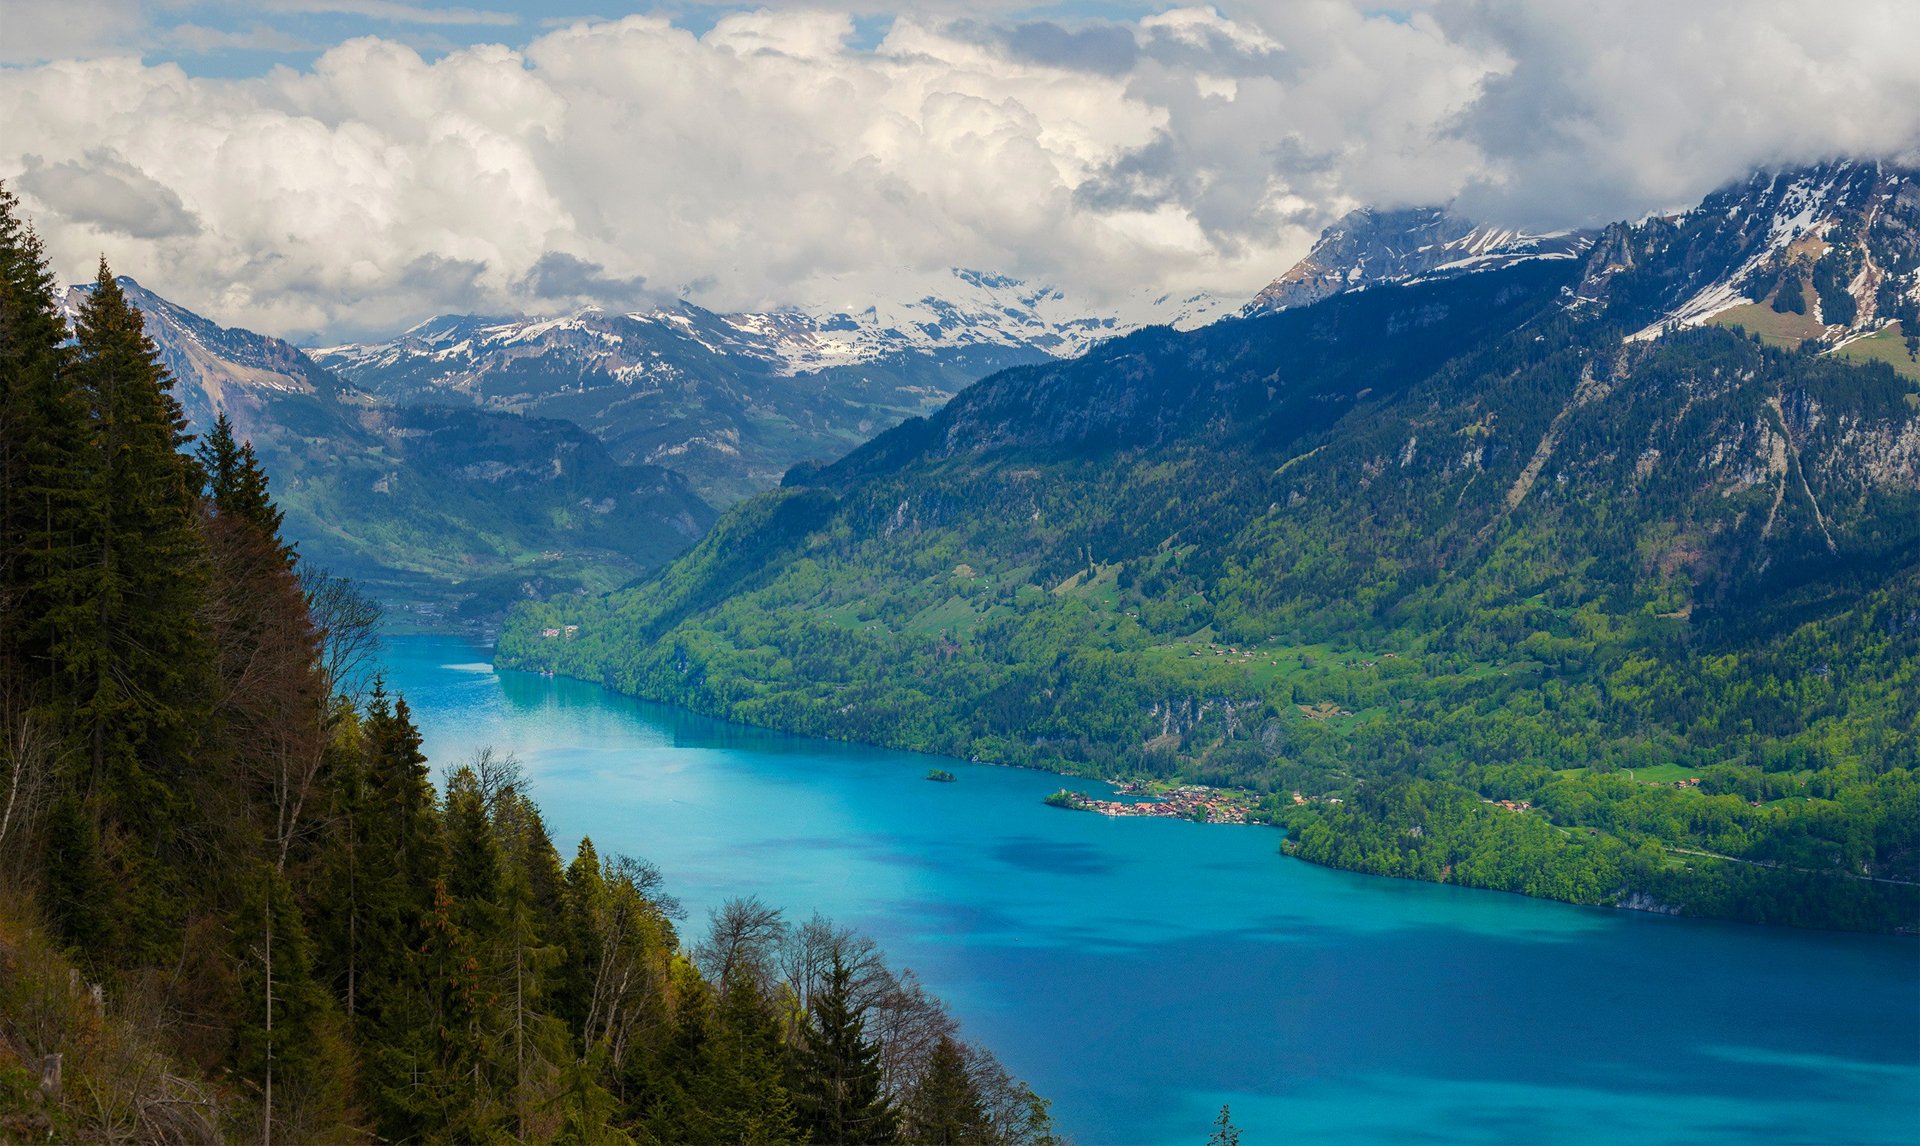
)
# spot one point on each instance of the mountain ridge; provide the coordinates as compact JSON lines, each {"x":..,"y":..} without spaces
{"x":734,"y":400}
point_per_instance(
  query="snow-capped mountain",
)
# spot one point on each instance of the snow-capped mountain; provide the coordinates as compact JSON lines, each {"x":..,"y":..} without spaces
{"x":976,"y":311}
{"x":1371,"y":247}
{"x":734,"y":400}
{"x":1826,"y":253}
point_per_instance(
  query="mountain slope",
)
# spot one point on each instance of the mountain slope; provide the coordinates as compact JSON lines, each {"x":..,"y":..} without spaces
{"x":734,"y":400}
{"x":426,"y":504}
{"x":1389,"y":559}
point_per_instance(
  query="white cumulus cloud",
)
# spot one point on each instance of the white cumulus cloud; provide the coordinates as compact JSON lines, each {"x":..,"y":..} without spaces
{"x":777,"y":159}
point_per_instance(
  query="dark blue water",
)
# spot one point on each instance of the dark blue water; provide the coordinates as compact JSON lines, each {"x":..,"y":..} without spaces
{"x":1143,"y":972}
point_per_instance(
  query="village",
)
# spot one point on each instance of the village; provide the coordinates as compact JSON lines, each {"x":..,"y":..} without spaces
{"x":1185,"y":802}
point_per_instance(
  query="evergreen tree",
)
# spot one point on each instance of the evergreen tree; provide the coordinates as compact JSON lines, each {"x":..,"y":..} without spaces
{"x":288,"y":1042}
{"x":406,"y":985}
{"x":135,"y":637}
{"x":838,"y":1089}
{"x":78,"y":888}
{"x":43,"y":460}
{"x":237,"y":486}
{"x":127,"y":647}
{"x":945,"y":1107}
{"x":31,"y":333}
{"x":584,"y":903}
{"x":1225,"y":1133}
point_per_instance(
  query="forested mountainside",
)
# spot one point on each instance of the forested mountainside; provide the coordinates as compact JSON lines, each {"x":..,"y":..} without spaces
{"x":734,"y":400}
{"x":1468,"y":582}
{"x":454,"y":506}
{"x":234,"y":905}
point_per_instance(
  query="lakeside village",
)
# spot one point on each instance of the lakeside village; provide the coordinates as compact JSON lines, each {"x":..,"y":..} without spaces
{"x":1181,"y":802}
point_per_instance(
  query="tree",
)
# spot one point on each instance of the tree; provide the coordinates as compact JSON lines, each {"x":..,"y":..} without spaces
{"x":127,"y":645}
{"x":838,"y":1091}
{"x":40,"y":423}
{"x":1225,"y":1133}
{"x":288,"y":1041}
{"x":945,"y":1107}
{"x":237,"y":486}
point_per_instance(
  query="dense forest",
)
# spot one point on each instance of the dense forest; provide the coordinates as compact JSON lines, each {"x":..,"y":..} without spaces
{"x":1465,"y":582}
{"x":236,"y":905}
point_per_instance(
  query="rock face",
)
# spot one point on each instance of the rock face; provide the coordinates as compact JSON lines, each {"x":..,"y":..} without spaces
{"x":735,"y":400}
{"x":1370,"y":247}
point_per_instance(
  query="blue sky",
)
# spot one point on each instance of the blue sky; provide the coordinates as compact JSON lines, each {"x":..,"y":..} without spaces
{"x":224,"y":38}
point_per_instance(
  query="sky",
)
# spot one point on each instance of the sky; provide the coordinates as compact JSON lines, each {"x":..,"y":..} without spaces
{"x":333,"y":169}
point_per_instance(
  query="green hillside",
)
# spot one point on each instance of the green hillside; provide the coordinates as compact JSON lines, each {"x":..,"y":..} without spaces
{"x":1388,"y":561}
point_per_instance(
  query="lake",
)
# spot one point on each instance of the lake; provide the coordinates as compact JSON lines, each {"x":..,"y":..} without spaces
{"x":1141,"y":972}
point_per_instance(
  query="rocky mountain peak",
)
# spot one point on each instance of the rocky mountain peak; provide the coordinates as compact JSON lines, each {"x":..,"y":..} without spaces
{"x":1825,"y":253}
{"x":1372,"y":246}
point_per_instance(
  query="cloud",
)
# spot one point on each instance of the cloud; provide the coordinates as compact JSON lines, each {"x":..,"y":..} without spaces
{"x":35,"y":30}
{"x":103,"y":191}
{"x":783,"y":156}
{"x":559,"y":277}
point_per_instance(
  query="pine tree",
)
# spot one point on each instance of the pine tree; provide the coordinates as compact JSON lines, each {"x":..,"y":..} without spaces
{"x":126,"y":646}
{"x":78,"y":889}
{"x":1225,"y":1133}
{"x":400,"y":854}
{"x":837,"y":1089}
{"x":43,"y":456}
{"x":237,"y":487}
{"x":584,"y":903}
{"x":289,"y":1041}
{"x":31,"y":333}
{"x":945,"y":1107}
{"x":132,"y":650}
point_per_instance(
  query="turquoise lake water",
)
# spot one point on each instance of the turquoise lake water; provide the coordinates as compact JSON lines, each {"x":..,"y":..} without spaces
{"x":1142,"y":972}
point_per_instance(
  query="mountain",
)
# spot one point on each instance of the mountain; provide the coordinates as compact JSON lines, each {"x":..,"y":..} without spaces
{"x":432,"y":506}
{"x":1460,"y":578}
{"x":734,"y":400}
{"x":1825,"y":254}
{"x":1371,"y":247}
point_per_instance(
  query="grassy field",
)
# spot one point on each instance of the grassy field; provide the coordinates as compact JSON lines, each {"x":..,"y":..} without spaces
{"x":1773,"y":327}
{"x":1888,"y":346}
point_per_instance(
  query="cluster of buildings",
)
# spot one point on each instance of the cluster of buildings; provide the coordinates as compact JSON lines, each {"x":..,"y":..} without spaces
{"x":1189,"y":802}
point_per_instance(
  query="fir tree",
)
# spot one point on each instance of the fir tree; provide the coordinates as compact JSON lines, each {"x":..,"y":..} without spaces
{"x":288,"y":1042}
{"x":43,"y":448}
{"x":837,"y":1090}
{"x":945,"y":1107}
{"x":77,"y":886}
{"x":1225,"y":1133}
{"x":237,"y":486}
